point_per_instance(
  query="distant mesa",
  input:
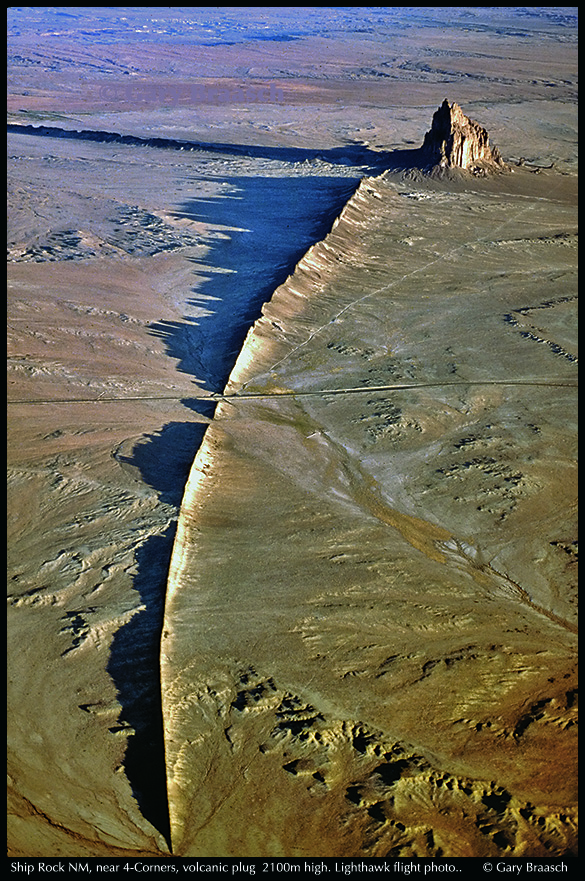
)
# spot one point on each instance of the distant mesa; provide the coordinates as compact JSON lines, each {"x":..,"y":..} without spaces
{"x":455,"y":141}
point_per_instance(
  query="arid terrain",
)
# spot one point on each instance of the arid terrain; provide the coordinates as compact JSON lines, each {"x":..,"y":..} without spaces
{"x":291,"y":434}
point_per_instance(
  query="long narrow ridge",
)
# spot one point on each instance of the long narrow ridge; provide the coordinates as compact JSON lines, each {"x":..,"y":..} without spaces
{"x":358,"y":156}
{"x":179,"y":559}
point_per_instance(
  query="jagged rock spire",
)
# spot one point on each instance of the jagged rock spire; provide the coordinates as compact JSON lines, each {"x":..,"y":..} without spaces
{"x":455,"y":141}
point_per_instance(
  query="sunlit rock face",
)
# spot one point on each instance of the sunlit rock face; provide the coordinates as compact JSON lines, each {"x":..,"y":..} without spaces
{"x":455,"y":141}
{"x":369,"y":636}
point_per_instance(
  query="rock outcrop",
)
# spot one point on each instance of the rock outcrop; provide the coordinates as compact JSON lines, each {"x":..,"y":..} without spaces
{"x":455,"y":141}
{"x":369,"y":637}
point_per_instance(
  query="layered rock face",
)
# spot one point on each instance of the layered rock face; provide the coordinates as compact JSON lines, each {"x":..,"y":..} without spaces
{"x":455,"y":141}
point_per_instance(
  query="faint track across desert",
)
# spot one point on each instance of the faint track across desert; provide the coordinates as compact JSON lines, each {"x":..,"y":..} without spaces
{"x":217,"y":396}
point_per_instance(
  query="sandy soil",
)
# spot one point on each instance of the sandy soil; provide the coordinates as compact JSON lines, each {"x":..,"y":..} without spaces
{"x":369,"y":625}
{"x":409,"y":552}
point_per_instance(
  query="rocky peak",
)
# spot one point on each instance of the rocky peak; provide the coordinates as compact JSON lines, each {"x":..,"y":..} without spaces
{"x":455,"y":141}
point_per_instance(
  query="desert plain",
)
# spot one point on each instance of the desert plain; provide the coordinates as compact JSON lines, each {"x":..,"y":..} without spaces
{"x":291,"y":434}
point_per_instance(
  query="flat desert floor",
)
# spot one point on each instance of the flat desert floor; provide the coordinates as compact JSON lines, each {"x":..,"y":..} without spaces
{"x":291,"y":434}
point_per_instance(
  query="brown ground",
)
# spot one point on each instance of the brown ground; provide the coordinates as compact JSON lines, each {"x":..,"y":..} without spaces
{"x":371,"y":611}
{"x":376,"y":652}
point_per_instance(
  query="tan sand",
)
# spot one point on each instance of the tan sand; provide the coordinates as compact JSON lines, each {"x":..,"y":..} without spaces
{"x":370,"y":638}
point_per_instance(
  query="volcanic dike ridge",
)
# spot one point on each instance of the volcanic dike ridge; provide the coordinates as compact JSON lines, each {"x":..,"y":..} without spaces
{"x":333,"y":661}
{"x":453,"y":142}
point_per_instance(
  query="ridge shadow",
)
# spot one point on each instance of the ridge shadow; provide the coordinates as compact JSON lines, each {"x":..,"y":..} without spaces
{"x":270,"y":222}
{"x":134,"y":662}
{"x":355,"y":153}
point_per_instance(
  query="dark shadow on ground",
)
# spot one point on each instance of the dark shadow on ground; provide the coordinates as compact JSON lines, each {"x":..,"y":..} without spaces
{"x":164,"y":460}
{"x":273,"y":221}
{"x":352,"y":153}
{"x":135,"y":669}
{"x":270,"y":222}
